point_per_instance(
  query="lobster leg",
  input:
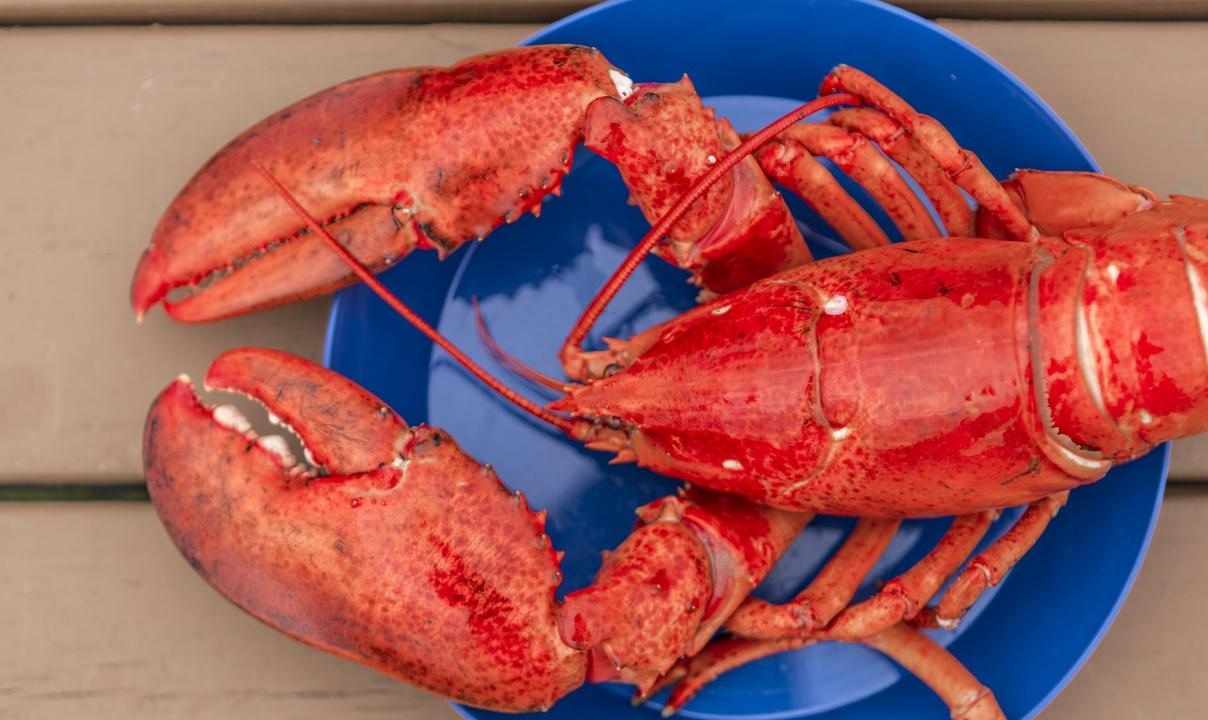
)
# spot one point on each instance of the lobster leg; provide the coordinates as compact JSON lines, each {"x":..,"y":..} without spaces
{"x":814,"y":184}
{"x":828,"y":593}
{"x":785,"y":159}
{"x":690,"y":675}
{"x":898,"y":144}
{"x":989,"y":567}
{"x":906,"y":595}
{"x":897,"y":601}
{"x":966,"y":698}
{"x":960,"y":165}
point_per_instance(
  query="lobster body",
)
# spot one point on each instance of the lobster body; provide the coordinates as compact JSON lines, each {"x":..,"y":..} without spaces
{"x":930,"y":378}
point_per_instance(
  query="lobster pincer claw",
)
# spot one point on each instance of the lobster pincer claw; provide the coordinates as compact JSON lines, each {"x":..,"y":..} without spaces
{"x":409,"y":557}
{"x":420,"y":157}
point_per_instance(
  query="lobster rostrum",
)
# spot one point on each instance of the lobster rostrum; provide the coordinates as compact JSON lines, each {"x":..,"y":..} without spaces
{"x":942,"y":376}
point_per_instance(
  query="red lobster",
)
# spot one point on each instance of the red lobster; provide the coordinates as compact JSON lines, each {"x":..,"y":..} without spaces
{"x":941,"y":376}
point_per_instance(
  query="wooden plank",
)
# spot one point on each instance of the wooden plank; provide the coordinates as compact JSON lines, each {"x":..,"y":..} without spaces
{"x":75,"y":12}
{"x":66,"y":12}
{"x":112,"y":122}
{"x":104,"y":618}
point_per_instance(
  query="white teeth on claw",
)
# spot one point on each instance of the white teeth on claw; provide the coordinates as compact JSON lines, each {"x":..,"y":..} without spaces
{"x":277,"y":445}
{"x":229,"y":416}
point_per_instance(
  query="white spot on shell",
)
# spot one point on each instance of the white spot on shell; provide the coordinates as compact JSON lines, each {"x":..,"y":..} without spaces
{"x":1146,"y":418}
{"x":840,"y":433}
{"x":622,"y":81}
{"x":947,"y":623}
{"x":229,"y":416}
{"x":721,"y":310}
{"x":1113,"y":272}
{"x":836,"y":305}
{"x":732,"y":465}
{"x":711,"y":160}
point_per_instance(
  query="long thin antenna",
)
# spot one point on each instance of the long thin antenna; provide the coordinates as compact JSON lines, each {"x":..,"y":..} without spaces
{"x":512,"y":364}
{"x":558,"y":421}
{"x":574,"y":341}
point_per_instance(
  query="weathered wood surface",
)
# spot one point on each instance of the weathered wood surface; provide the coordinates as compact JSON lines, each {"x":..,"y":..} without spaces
{"x":104,"y":619}
{"x":105,"y":124}
{"x":419,"y":11}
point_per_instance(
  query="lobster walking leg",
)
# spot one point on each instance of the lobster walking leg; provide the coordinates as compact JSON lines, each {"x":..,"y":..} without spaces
{"x":899,"y":145}
{"x":989,"y":567}
{"x":785,"y":159}
{"x":896,"y":602}
{"x":814,"y":184}
{"x":906,"y":595}
{"x":966,"y":698}
{"x":690,"y":675}
{"x":961,"y":165}
{"x":828,"y":593}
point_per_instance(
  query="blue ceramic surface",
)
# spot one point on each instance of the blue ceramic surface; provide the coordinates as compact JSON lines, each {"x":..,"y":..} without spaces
{"x":753,"y":61}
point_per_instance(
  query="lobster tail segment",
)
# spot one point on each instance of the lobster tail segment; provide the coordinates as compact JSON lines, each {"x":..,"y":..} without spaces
{"x":1142,"y":327}
{"x":410,"y":558}
{"x":419,"y":157}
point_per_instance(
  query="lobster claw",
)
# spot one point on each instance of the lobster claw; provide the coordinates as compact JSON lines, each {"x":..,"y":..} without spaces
{"x":410,"y":557}
{"x":420,"y":157}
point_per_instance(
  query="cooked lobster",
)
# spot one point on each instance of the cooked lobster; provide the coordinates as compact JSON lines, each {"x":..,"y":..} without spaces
{"x":939,"y":376}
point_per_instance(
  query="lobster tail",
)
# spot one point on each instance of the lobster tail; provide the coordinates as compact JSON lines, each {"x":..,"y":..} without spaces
{"x":1142,"y":324}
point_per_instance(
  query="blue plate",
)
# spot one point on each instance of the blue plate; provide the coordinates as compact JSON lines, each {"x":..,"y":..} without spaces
{"x":753,"y":61}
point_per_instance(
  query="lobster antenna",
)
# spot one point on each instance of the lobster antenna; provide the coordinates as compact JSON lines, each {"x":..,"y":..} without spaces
{"x":512,"y":364}
{"x":366,"y":276}
{"x":574,"y":341}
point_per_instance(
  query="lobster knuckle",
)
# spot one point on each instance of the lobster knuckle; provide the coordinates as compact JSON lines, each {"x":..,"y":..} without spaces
{"x":644,"y":606}
{"x":372,"y":565}
{"x":419,"y":157}
{"x":662,"y":139}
